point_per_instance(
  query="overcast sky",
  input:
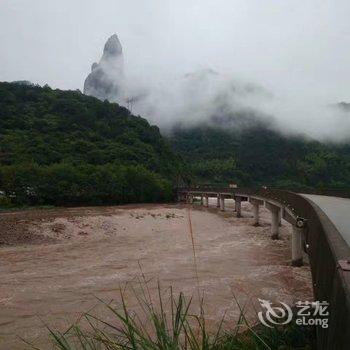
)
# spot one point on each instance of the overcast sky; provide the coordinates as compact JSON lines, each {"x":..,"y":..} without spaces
{"x":297,"y":49}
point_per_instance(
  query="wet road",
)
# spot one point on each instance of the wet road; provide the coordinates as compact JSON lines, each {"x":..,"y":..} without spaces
{"x":338,"y":211}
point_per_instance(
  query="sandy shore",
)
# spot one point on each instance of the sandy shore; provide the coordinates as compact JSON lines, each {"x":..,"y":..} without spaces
{"x":82,"y":253}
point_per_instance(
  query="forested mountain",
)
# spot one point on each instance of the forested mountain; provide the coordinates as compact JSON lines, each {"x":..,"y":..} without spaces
{"x":62,"y":147}
{"x":257,"y":154}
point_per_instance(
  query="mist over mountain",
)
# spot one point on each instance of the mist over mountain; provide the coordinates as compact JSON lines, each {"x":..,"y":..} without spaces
{"x":344,"y":106}
{"x":193,"y":98}
{"x":257,"y":154}
{"x":209,"y":96}
{"x":203,"y":96}
{"x":227,"y":130}
{"x":66,"y":147}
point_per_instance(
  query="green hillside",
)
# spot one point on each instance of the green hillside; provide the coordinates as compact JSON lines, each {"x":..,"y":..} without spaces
{"x":256,"y":154}
{"x":62,"y":147}
{"x":65,"y":148}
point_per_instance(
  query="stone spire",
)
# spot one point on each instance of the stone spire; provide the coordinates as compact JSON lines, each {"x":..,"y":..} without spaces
{"x":112,"y":48}
{"x":106,"y":79}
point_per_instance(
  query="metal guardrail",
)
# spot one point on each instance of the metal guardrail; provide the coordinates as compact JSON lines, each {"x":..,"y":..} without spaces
{"x":326,"y":250}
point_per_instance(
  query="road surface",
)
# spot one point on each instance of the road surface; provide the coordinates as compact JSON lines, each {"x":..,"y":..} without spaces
{"x":338,"y":211}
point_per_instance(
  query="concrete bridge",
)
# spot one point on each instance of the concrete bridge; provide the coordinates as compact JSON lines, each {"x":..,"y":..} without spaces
{"x":320,"y":230}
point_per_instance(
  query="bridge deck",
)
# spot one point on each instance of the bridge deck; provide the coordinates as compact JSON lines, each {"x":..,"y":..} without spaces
{"x":338,"y":211}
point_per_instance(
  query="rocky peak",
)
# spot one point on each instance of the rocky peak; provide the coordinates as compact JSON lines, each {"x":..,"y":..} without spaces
{"x":113,"y":46}
{"x":106,"y":80}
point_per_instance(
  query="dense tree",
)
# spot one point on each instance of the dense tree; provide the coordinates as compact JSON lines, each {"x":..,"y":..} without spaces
{"x":62,"y":147}
{"x":65,"y":148}
{"x":259,"y":155}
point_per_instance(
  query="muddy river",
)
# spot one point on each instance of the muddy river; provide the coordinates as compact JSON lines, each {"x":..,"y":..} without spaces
{"x":54,"y":263}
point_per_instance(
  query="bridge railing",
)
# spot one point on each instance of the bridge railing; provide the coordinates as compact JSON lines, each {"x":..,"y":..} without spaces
{"x":334,"y":192}
{"x":326,"y":249}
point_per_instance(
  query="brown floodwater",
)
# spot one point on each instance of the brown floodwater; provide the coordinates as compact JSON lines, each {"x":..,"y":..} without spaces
{"x":90,"y":253}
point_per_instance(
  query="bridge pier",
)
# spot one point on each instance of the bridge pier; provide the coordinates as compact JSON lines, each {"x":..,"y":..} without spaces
{"x":234,"y":206}
{"x":238,"y":206}
{"x":274,"y":225}
{"x":189,"y":199}
{"x":179,"y":197}
{"x":256,"y":214}
{"x":256,"y":203}
{"x":278,"y":211}
{"x":275,"y":219}
{"x":297,"y":249}
{"x":222,"y":203}
{"x":280,"y":215}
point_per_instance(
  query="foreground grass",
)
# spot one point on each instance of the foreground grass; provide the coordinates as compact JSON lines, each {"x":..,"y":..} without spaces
{"x":169,"y":325}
